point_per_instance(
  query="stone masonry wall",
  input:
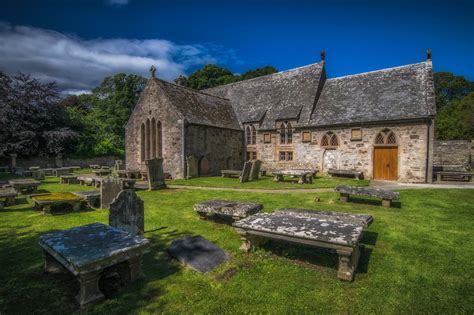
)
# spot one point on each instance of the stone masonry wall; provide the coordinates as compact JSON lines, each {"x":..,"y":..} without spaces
{"x":452,"y":152}
{"x":49,"y":162}
{"x":223,"y":148}
{"x":412,"y":151}
{"x":154,"y":104}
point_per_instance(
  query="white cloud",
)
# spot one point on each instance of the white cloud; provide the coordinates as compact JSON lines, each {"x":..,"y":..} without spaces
{"x":77,"y":64}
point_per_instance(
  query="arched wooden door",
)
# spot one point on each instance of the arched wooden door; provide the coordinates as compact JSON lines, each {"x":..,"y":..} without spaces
{"x":204,"y":167}
{"x":385,"y":156}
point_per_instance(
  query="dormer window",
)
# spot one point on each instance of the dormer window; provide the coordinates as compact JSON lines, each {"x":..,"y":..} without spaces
{"x":250,"y":135}
{"x":286,"y":133}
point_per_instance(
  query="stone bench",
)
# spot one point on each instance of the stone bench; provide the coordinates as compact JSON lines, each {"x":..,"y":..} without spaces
{"x":346,"y":173}
{"x":68,"y":179}
{"x":24,"y":185}
{"x":458,"y":176}
{"x":305,"y":176}
{"x":87,"y":250}
{"x":227,"y":209}
{"x":386,"y":195}
{"x":231,"y":173}
{"x":341,"y":232}
{"x":9,"y":194}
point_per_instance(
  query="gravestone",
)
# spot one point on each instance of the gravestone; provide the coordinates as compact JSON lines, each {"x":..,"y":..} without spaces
{"x":197,"y":253}
{"x":109,"y":189}
{"x":255,"y":170}
{"x":127,"y":212}
{"x":155,"y":174}
{"x":192,"y":167}
{"x":244,"y":177}
{"x":37,"y":174}
{"x":119,"y":165}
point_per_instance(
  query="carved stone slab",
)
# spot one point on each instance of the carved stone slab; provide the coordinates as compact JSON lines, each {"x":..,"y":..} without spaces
{"x":155,"y":174}
{"x":228,"y":208}
{"x":321,"y":227}
{"x":368,"y":191}
{"x":349,"y":173}
{"x":192,"y":167}
{"x":244,"y":177}
{"x":197,"y":253}
{"x":127,"y":212}
{"x":109,"y":189}
{"x":255,"y":169}
{"x":92,"y":247}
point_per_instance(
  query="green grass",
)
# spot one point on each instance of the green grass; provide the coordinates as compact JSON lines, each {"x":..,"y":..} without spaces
{"x":418,"y":259}
{"x":267,"y":183}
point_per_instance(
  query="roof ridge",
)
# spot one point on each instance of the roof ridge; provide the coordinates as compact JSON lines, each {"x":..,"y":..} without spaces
{"x":191,"y":89}
{"x":375,"y":71}
{"x":267,"y":75}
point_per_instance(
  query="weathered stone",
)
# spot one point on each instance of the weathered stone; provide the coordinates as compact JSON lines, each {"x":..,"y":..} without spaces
{"x":92,"y":197}
{"x":37,"y":174}
{"x":61,"y":171}
{"x":109,"y":189}
{"x":9,"y":194}
{"x":227,"y":208}
{"x":246,"y":172}
{"x":24,"y":185}
{"x":231,"y":173}
{"x":197,"y":253}
{"x":305,"y":176}
{"x":368,"y":191}
{"x":255,"y":170}
{"x":345,"y":173}
{"x":458,"y":176}
{"x":126,"y":212}
{"x":191,"y":167}
{"x":339,"y":231}
{"x":102,"y":171}
{"x":87,"y":250}
{"x":119,"y":165}
{"x":155,"y":174}
{"x":68,"y":179}
{"x":58,"y":201}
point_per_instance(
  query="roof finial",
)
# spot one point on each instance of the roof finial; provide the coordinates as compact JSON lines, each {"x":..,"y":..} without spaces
{"x":428,"y":54}
{"x":323,"y":55}
{"x":152,"y":71}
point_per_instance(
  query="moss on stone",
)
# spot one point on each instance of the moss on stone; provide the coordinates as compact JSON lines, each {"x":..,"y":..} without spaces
{"x":56,"y":196}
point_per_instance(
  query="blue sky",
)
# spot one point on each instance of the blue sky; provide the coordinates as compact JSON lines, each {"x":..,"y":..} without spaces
{"x":99,"y":37}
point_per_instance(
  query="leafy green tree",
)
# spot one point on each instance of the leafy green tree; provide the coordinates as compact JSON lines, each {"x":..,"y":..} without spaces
{"x":455,"y":121}
{"x":258,"y":73}
{"x":449,"y":87}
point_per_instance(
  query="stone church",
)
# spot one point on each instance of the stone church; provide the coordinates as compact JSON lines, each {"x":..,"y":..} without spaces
{"x":379,"y":122}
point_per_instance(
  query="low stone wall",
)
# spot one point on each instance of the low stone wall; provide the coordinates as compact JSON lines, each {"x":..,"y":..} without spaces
{"x":453,"y":152}
{"x":47,"y":162}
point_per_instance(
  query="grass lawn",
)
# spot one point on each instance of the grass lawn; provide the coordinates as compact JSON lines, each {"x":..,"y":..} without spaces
{"x":267,"y":182}
{"x":418,"y":259}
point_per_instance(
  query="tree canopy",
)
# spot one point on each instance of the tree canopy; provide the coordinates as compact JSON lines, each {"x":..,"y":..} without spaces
{"x":212,"y":75}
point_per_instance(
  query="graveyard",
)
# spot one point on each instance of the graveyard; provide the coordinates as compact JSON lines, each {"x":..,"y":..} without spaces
{"x":417,"y":256}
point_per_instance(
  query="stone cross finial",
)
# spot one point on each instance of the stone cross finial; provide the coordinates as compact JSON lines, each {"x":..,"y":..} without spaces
{"x":323,"y":55}
{"x":428,"y":54}
{"x":152,"y":71}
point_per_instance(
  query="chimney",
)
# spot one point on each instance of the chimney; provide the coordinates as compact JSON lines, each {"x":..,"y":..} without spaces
{"x":428,"y":54}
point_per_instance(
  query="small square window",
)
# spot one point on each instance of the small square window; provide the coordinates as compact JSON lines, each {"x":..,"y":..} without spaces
{"x":267,"y":138}
{"x":285,"y":156}
{"x":282,"y":156}
{"x":289,"y":156}
{"x":356,"y":134}
{"x":306,"y":136}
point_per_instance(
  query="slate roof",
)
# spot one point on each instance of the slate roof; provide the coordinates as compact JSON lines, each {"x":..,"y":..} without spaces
{"x":200,"y":108}
{"x":400,"y":93}
{"x":279,"y":96}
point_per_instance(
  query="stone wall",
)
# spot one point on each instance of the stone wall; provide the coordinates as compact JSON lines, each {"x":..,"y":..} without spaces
{"x":453,"y":152}
{"x":154,"y":104}
{"x":223,"y":148}
{"x":411,"y":140}
{"x":49,"y":162}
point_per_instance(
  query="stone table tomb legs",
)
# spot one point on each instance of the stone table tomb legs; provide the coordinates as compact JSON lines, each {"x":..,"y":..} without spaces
{"x":89,"y":291}
{"x":348,"y":261}
{"x":249,"y":242}
{"x":344,"y":197}
{"x":278,"y":178}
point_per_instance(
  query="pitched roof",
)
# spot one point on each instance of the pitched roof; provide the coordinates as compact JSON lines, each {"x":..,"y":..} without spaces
{"x":279,"y":96}
{"x":200,"y":108}
{"x":400,"y":93}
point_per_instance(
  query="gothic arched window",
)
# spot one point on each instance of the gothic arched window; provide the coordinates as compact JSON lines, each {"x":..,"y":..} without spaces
{"x":329,"y":140}
{"x":385,"y":136}
{"x":286,"y":133}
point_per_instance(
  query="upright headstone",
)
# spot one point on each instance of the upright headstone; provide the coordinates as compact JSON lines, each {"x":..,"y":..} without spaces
{"x":109,"y":189}
{"x":127,"y":212}
{"x":59,"y":161}
{"x":155,"y":174}
{"x":246,"y":172}
{"x":119,"y":165}
{"x":192,"y":167}
{"x":13,"y":162}
{"x":37,"y":174}
{"x":255,"y":170}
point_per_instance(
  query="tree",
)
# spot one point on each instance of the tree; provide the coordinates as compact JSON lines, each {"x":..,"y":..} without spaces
{"x":258,"y":73}
{"x":449,"y":87}
{"x":455,"y":121}
{"x":31,"y":120}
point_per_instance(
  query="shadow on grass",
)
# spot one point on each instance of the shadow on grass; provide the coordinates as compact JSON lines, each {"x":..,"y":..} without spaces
{"x":373,"y":202}
{"x":27,"y":289}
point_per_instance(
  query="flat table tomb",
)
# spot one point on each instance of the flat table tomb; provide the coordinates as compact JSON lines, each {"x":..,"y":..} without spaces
{"x":229,"y":209}
{"x":387,"y":196}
